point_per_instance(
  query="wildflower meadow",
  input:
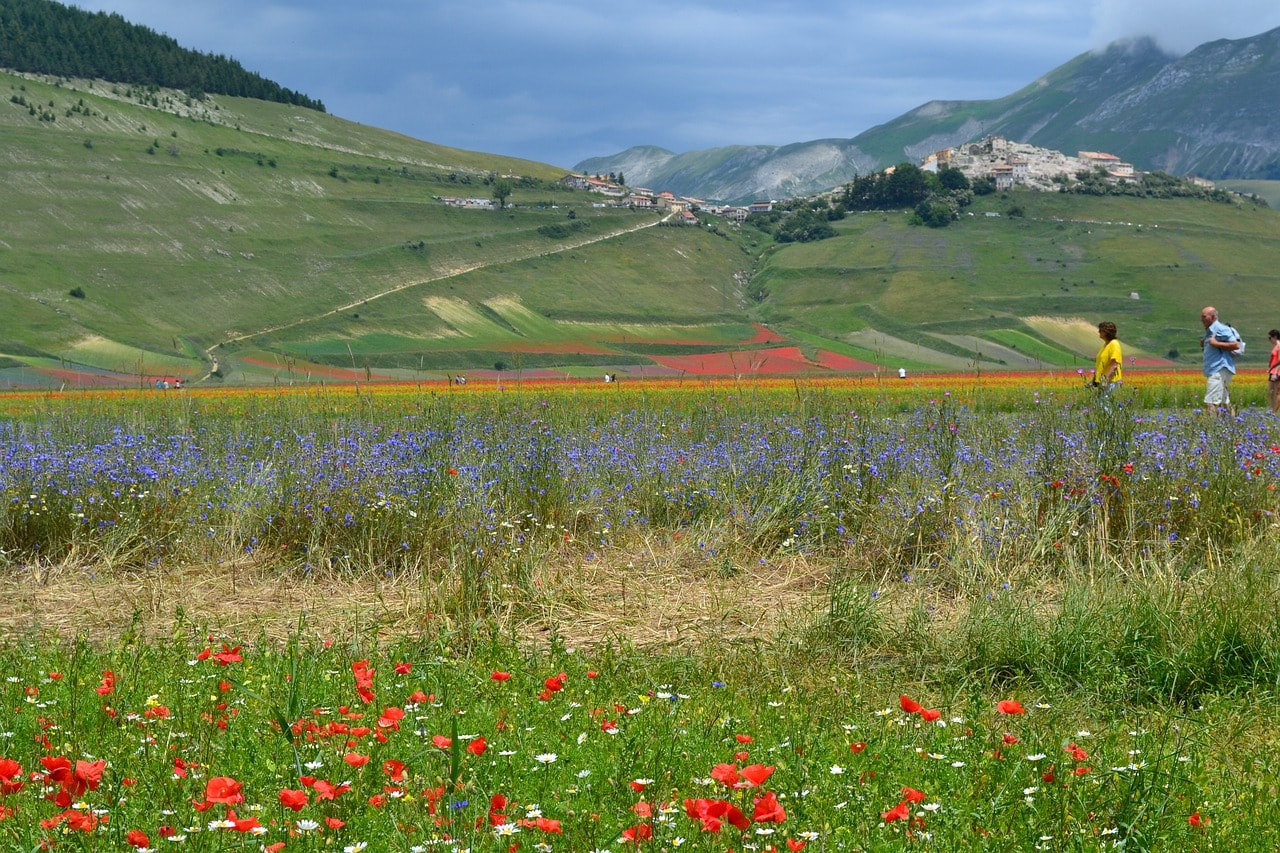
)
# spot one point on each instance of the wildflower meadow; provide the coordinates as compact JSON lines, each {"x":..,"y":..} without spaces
{"x":964,"y":612}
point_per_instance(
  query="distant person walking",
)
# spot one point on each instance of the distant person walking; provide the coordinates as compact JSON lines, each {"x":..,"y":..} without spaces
{"x":1273,"y":372}
{"x":1218,"y":343}
{"x":1108,"y":370}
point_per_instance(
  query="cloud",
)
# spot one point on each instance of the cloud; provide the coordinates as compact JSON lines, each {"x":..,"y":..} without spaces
{"x":562,"y":80}
{"x":1181,"y":25}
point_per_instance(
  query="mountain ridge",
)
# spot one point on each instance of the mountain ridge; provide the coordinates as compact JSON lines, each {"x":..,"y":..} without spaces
{"x":1209,"y":112}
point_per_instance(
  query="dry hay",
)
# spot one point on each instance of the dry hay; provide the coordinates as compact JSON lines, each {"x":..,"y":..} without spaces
{"x":665,"y":597}
{"x":668,"y":597}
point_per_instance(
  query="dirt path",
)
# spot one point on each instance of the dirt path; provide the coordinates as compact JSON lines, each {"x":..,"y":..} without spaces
{"x":213,"y":361}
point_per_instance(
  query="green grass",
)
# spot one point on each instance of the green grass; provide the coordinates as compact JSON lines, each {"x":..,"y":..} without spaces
{"x":1267,"y":190}
{"x":1068,"y":258}
{"x":992,"y":616}
{"x":1033,"y":347}
{"x":260,"y":226}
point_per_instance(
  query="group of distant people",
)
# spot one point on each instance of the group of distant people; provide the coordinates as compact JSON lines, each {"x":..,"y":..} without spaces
{"x":1221,"y":346}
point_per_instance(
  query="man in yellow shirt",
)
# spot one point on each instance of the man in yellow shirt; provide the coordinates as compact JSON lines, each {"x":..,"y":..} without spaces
{"x":1107,"y":371}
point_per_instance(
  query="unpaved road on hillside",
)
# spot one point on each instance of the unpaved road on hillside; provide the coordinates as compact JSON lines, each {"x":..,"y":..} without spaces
{"x":453,"y":273}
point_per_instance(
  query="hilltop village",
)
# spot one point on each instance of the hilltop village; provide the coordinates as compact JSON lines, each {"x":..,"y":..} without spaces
{"x":1005,"y":162}
{"x":1008,"y":163}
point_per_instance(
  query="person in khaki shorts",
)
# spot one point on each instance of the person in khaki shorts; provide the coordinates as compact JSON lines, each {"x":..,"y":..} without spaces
{"x":1218,"y":343}
{"x":1273,"y":372}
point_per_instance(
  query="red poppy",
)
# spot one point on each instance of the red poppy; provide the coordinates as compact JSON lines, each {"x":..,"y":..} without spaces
{"x":768,"y":809}
{"x":547,"y":824}
{"x":404,"y":668}
{"x":291,"y":799}
{"x":1196,"y":820}
{"x":857,"y":747}
{"x":227,"y":656}
{"x":911,"y":795}
{"x":930,"y":714}
{"x":744,"y":738}
{"x":108,"y":685}
{"x":637,"y":833}
{"x":224,"y":790}
{"x":244,"y":824}
{"x":88,"y":774}
{"x":477,"y":746}
{"x":364,"y":679}
{"x":10,"y":776}
{"x":498,"y":675}
{"x":355,"y":759}
{"x":908,"y":704}
{"x":795,"y":845}
{"x":1010,"y":706}
{"x":442,"y":742}
{"x":137,"y":838}
{"x":726,"y":774}
{"x":755,"y":774}
{"x":898,"y":812}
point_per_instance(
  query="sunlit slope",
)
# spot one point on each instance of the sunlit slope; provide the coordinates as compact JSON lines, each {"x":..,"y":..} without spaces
{"x":173,"y":226}
{"x":140,"y":231}
{"x":657,"y":289}
{"x":981,"y":285}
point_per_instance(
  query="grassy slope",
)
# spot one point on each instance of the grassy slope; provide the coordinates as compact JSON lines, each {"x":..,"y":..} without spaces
{"x":311,"y":251}
{"x":1267,"y":190}
{"x":1069,"y":257}
{"x":177,"y":246}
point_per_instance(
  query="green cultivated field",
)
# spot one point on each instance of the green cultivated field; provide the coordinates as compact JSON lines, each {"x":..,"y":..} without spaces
{"x":146,"y":233}
{"x":1067,"y":258}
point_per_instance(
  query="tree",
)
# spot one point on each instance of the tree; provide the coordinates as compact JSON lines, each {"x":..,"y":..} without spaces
{"x":935,"y":213}
{"x":803,"y":226}
{"x":953,"y":179}
{"x":907,"y":186}
{"x":501,"y":192}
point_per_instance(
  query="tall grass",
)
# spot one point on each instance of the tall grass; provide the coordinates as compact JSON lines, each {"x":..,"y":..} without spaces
{"x":1110,"y":571}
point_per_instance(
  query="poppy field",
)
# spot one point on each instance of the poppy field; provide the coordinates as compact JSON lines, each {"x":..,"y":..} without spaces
{"x":963,"y":612}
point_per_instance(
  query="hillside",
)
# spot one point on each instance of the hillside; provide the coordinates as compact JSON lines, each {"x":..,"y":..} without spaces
{"x":1026,"y":290}
{"x":1212,"y":112}
{"x":142,"y":228}
{"x":44,"y":37}
{"x":147,"y":234}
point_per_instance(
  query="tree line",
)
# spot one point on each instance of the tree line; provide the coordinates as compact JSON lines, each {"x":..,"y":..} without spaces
{"x":44,"y":37}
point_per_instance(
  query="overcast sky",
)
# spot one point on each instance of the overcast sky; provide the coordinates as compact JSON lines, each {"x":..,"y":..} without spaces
{"x":558,"y":81}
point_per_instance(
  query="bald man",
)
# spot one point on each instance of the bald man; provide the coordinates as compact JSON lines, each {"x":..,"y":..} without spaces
{"x":1218,"y":343}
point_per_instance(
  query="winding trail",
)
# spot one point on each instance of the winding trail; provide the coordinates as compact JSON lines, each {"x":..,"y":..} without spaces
{"x":212,"y":360}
